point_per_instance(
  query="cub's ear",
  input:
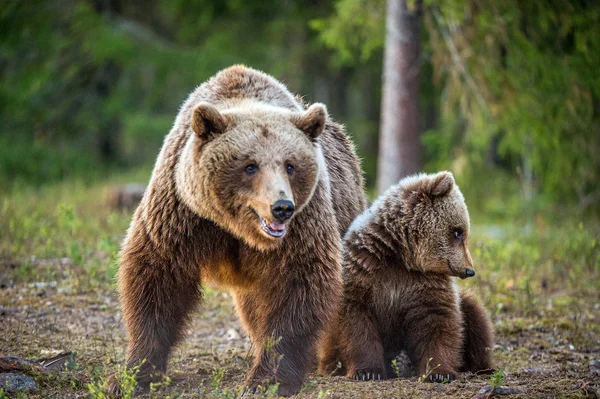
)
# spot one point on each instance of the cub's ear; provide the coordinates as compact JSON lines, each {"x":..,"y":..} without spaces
{"x":208,"y":121}
{"x":421,"y":188}
{"x":441,"y":184}
{"x":312,"y":122}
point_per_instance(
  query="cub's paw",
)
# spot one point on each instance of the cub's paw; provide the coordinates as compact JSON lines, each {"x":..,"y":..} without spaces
{"x":369,"y":374}
{"x":441,"y":377}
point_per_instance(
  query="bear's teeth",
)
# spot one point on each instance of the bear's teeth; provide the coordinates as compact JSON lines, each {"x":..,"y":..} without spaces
{"x":271,"y":228}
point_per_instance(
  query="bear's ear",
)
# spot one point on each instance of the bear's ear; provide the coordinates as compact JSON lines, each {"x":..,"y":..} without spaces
{"x":441,"y":184}
{"x":312,"y":122}
{"x":207,"y":121}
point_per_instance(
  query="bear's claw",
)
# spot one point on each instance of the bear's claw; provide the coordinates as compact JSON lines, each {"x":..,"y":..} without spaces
{"x":249,"y":391}
{"x":441,"y":377}
{"x":367,"y":375}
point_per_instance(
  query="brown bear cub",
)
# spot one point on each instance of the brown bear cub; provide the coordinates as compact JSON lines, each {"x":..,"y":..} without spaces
{"x":399,"y":262}
{"x":251,"y":191}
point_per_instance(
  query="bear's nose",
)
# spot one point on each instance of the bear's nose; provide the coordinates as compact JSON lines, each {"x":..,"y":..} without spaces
{"x":282,"y":210}
{"x":470,"y":272}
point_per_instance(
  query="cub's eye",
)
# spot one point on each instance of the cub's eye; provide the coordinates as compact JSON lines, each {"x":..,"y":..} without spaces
{"x":251,"y":169}
{"x":457,"y":233}
{"x":289,"y":168}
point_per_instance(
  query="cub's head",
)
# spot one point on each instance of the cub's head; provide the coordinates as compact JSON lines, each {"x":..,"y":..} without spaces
{"x":438,"y":224}
{"x":252,"y":168}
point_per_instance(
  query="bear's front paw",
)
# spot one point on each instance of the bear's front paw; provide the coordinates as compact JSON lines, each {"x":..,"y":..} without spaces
{"x":441,"y":377}
{"x":369,"y":374}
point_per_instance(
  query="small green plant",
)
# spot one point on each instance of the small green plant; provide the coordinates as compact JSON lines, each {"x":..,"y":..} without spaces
{"x":428,"y":371}
{"x":496,"y":379}
{"x":125,"y":378}
{"x":155,"y":387}
{"x":396,"y":369}
{"x":217,"y":379}
{"x":323,"y":394}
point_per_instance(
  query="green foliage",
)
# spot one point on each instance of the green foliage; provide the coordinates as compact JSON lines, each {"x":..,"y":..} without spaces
{"x":516,"y":89}
{"x":509,"y":91}
{"x":521,"y":74}
{"x":96,"y":86}
{"x":64,"y":226}
{"x":521,"y":264}
{"x":355,"y":31}
{"x":497,"y":379}
{"x":428,"y":370}
{"x":125,"y":378}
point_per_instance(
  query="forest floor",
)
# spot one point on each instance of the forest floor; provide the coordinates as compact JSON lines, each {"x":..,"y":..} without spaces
{"x":539,"y":280}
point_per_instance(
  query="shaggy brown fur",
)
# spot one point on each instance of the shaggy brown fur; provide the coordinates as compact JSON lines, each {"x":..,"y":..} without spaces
{"x":400,"y":257}
{"x":240,"y":143}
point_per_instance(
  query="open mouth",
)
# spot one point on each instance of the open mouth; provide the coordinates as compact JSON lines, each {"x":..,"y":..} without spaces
{"x":272,"y":228}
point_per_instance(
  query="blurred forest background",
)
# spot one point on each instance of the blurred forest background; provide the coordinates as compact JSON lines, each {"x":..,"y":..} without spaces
{"x":509,"y":92}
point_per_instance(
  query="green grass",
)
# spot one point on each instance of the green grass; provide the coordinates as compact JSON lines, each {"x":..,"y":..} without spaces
{"x":539,"y":267}
{"x":66,"y":220}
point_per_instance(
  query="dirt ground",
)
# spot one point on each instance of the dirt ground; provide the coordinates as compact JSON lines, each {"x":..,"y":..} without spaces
{"x":551,"y":353}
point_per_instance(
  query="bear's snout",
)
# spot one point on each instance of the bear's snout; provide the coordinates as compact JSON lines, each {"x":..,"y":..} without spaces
{"x":282,"y":210}
{"x":470,"y":272}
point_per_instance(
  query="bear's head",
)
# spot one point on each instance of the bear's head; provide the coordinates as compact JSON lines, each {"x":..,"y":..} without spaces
{"x":437,"y":220}
{"x":251,"y":168}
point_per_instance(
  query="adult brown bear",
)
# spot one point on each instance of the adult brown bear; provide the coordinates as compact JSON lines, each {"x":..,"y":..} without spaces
{"x":251,"y":191}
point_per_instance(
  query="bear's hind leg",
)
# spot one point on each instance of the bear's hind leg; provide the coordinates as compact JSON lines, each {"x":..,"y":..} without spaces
{"x":479,"y":335}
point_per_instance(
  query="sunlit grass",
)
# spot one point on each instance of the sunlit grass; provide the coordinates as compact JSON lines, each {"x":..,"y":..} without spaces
{"x":68,"y":222}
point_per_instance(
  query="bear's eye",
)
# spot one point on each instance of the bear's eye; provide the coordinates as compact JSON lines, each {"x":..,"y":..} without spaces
{"x":289,"y":168}
{"x":251,"y":169}
{"x":457,"y":233}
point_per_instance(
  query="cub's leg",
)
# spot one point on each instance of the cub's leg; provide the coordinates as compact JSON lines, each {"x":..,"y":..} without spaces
{"x":435,"y":340}
{"x":361,"y":347}
{"x":157,"y":295}
{"x":479,"y":335}
{"x":285,"y":317}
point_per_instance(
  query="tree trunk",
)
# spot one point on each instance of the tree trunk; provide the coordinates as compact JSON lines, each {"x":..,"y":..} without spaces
{"x":399,"y":144}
